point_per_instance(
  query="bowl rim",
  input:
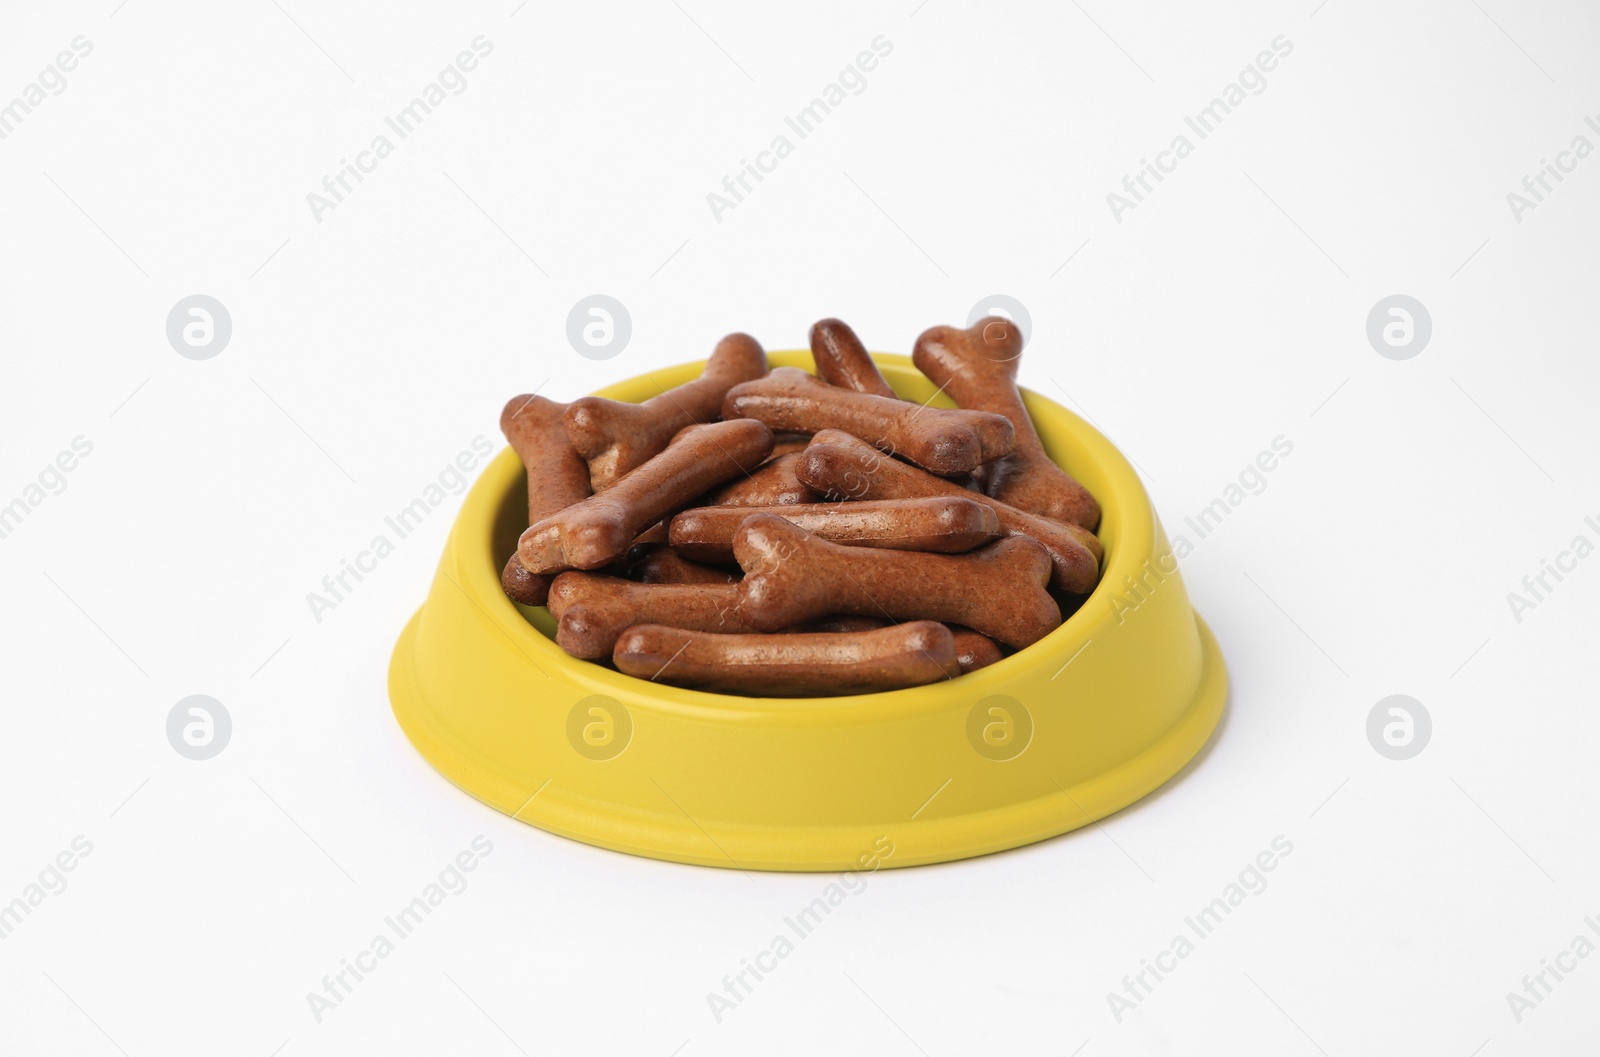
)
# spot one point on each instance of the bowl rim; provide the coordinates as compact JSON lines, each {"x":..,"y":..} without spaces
{"x":1126,"y":531}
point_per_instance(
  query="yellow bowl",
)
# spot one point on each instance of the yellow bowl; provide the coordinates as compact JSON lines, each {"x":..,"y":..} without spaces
{"x":1084,"y":722}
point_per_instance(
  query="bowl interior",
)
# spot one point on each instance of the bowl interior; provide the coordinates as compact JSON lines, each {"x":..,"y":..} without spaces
{"x":1069,"y":441}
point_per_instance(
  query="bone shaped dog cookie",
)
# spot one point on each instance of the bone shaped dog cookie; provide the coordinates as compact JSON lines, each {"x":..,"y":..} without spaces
{"x":592,"y":611}
{"x":842,"y":360}
{"x":600,"y":529}
{"x":843,"y":467}
{"x":978,"y":368}
{"x":948,"y":524}
{"x":940,"y":440}
{"x":973,"y":651}
{"x":799,"y":665}
{"x":791,"y":575}
{"x":616,"y":437}
{"x":557,"y":478}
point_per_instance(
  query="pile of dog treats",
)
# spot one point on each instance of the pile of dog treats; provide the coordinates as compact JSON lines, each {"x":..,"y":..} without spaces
{"x":772,"y":532}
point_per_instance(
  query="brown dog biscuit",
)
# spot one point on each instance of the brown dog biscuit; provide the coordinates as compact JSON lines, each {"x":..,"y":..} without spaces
{"x":939,"y":440}
{"x":593,"y":610}
{"x":600,"y":529}
{"x":978,"y":368}
{"x":791,"y":575}
{"x":801,"y":665}
{"x":663,"y":565}
{"x":557,"y":478}
{"x":521,"y":586}
{"x":947,"y":524}
{"x":842,"y":360}
{"x":531,"y":589}
{"x":616,"y":437}
{"x":973,"y":651}
{"x":843,"y":467}
{"x":772,"y":484}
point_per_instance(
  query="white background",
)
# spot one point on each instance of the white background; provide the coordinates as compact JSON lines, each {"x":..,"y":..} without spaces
{"x":370,"y":348}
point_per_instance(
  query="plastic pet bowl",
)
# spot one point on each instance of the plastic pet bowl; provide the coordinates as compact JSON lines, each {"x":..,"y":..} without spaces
{"x":1089,"y":719}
